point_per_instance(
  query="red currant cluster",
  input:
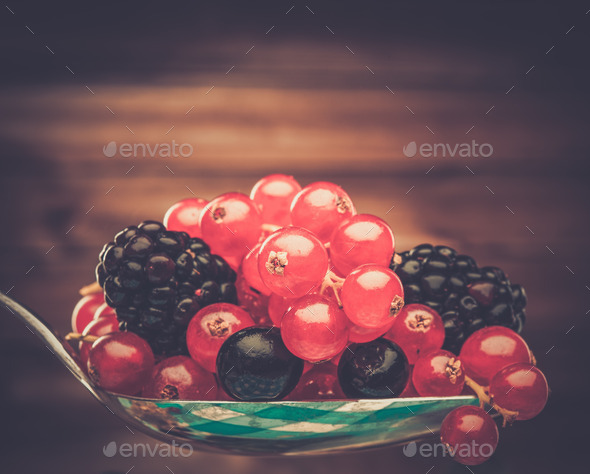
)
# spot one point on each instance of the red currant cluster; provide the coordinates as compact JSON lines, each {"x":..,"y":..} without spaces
{"x":318,"y":272}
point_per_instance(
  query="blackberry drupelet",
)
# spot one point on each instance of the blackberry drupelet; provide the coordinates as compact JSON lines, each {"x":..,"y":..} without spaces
{"x":158,"y":279}
{"x":467,"y":297}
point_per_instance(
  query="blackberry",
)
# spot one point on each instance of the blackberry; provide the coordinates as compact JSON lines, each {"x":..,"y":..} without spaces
{"x":157,"y":280}
{"x":467,"y":297}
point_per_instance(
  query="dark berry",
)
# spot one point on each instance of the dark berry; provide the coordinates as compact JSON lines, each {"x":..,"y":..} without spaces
{"x":184,"y":264}
{"x":501,"y":314}
{"x":209,"y":293}
{"x":409,"y":271}
{"x":123,"y":237}
{"x":115,"y":294}
{"x":131,"y":274}
{"x":437,"y":265}
{"x":447,"y":253}
{"x":484,"y":292}
{"x":198,"y":246}
{"x":139,"y":246}
{"x":376,"y":369}
{"x":229,"y":293}
{"x":457,"y":283}
{"x":254,"y":364}
{"x":169,"y":243}
{"x":159,"y":268}
{"x":519,"y":296}
{"x":464,"y":264}
{"x":151,"y":228}
{"x":468,"y":308}
{"x":422,"y":251}
{"x":412,"y":293}
{"x":112,"y":258}
{"x":434,"y":286}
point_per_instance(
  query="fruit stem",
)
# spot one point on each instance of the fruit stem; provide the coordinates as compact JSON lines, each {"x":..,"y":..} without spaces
{"x":331,"y":280}
{"x":90,"y":289}
{"x":508,"y":416}
{"x":76,"y":336}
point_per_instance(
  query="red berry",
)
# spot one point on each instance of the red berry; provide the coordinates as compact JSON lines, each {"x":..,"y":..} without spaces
{"x":120,"y":362}
{"x":314,"y":328}
{"x":255,"y":303}
{"x":210,"y":327}
{"x":320,"y":207}
{"x":470,"y":434}
{"x":522,"y":388}
{"x":361,"y":239}
{"x":418,"y":329}
{"x":410,"y":390}
{"x":97,"y":327}
{"x":438,"y":374}
{"x":104,"y":310}
{"x":184,"y":216}
{"x":273,"y":195}
{"x":372,"y":295}
{"x":231,"y":224}
{"x":292,"y":262}
{"x":84,"y":311}
{"x":361,"y":334}
{"x":277,"y":307}
{"x":181,"y":378}
{"x":250,"y":271}
{"x":319,"y":383}
{"x":489,"y":350}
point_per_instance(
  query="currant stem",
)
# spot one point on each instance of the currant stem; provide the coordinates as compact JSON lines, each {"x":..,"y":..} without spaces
{"x":90,"y":289}
{"x":76,"y":336}
{"x":508,"y":416}
{"x":331,"y":280}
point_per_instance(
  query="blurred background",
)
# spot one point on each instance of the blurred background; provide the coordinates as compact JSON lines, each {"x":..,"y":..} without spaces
{"x":327,"y":90}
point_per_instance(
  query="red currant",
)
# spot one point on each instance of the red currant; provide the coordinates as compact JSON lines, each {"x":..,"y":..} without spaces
{"x":274,"y":194}
{"x":319,"y":383}
{"x":120,"y":362}
{"x":320,"y":207}
{"x":314,"y":328}
{"x":361,"y":239}
{"x":250,"y":271}
{"x":210,"y":327}
{"x":255,"y":303}
{"x":231,"y":224}
{"x":522,"y":388}
{"x":489,"y":350}
{"x":181,"y":378}
{"x":438,"y":374}
{"x":292,"y":262}
{"x":361,"y":334}
{"x":418,"y":329}
{"x":184,"y":216}
{"x":97,"y":327}
{"x":470,"y":434}
{"x":104,"y":310}
{"x":372,"y":295}
{"x":84,"y":311}
{"x":277,"y":307}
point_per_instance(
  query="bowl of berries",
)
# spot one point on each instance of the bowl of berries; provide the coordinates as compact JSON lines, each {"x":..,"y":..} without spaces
{"x":286,"y":323}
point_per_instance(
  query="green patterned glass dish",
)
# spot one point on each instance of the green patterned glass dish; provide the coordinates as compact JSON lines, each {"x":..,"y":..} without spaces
{"x":262,"y":428}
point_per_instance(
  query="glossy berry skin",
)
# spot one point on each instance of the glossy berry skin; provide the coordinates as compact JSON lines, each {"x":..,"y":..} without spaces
{"x":438,"y":374}
{"x":522,"y":388}
{"x":470,"y":434}
{"x":277,"y":307}
{"x":84,"y":311}
{"x":320,"y":207}
{"x":180,"y":378}
{"x":120,"y":362}
{"x":253,"y":302}
{"x":361,"y":239}
{"x":376,"y":369}
{"x":315,"y":328}
{"x":319,"y":383}
{"x":250,"y":271}
{"x":97,"y":327}
{"x":292,"y":262}
{"x":184,"y":216}
{"x":372,"y":295}
{"x":489,"y":350}
{"x":254,"y":364}
{"x":273,"y":194}
{"x":210,"y":327}
{"x":231,"y":224}
{"x":361,"y":334}
{"x":104,"y":310}
{"x":418,"y":329}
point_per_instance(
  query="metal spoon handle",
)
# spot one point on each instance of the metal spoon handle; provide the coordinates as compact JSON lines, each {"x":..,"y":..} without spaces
{"x":54,"y":342}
